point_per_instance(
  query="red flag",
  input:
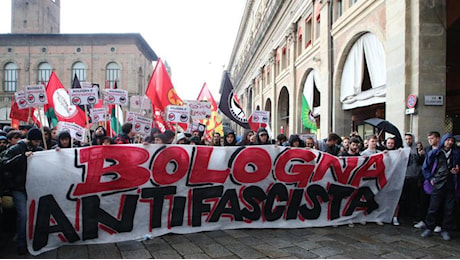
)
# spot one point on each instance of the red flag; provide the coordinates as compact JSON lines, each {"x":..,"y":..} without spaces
{"x":21,"y":114}
{"x":59,"y":105}
{"x":214,"y":124}
{"x":161,"y":93}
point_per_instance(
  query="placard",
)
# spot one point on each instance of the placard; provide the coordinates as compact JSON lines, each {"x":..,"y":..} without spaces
{"x":140,"y":102}
{"x":260,"y":117}
{"x":100,"y":115}
{"x":83,"y":96}
{"x":21,"y":99}
{"x":36,"y":95}
{"x":178,"y":114}
{"x":199,"y":109}
{"x":130,"y":115}
{"x":115,"y":96}
{"x":76,"y":132}
{"x":142,"y":125}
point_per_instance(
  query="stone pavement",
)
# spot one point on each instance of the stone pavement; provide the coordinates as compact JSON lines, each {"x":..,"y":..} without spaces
{"x":362,"y":241}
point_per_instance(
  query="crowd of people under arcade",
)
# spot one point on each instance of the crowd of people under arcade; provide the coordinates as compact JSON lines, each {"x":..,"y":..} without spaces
{"x":430,"y":195}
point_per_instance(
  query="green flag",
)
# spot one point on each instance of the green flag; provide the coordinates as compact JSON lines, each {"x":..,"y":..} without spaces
{"x":307,"y":116}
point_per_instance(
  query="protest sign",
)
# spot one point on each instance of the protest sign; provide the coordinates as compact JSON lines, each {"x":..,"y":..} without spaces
{"x":178,"y":114}
{"x":115,"y":96}
{"x":100,"y":115}
{"x":76,"y":132}
{"x":83,"y":96}
{"x":36,"y":95}
{"x":115,"y":193}
{"x":199,"y":109}
{"x":21,"y":99}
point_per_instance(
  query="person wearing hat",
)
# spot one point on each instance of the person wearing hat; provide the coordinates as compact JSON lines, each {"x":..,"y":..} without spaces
{"x":181,"y":139}
{"x":14,"y":163}
{"x":3,"y":143}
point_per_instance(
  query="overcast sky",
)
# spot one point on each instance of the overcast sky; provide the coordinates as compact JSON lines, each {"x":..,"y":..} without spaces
{"x":195,"y":37}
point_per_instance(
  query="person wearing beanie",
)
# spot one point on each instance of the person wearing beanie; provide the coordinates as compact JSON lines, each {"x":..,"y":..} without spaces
{"x":170,"y":135}
{"x":3,"y":143}
{"x":15,"y":164}
{"x":99,"y":133}
{"x":181,"y":139}
{"x":195,"y":140}
{"x":153,"y":133}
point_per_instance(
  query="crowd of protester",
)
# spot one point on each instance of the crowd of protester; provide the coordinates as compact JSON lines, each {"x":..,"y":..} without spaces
{"x":429,"y":196}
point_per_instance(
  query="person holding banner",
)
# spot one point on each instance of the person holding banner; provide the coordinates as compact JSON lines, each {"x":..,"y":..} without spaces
{"x":15,"y":164}
{"x":230,"y":138}
{"x":262,"y":137}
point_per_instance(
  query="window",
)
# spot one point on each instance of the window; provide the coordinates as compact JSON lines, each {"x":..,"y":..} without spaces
{"x":11,"y":77}
{"x":44,"y":73}
{"x":339,"y":8}
{"x":318,"y":27}
{"x":79,"y":69}
{"x":352,"y":2}
{"x":112,"y":73}
{"x":308,"y":29}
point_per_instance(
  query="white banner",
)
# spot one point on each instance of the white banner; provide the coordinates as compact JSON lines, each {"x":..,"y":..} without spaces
{"x":115,"y":193}
{"x":140,"y":102}
{"x":36,"y":95}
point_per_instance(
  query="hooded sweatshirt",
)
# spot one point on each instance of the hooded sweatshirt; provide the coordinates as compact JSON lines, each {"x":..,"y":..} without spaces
{"x":437,"y":166}
{"x":415,"y":160}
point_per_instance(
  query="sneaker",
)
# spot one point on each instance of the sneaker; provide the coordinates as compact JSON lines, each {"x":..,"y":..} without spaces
{"x":380,"y":223}
{"x":437,"y":229}
{"x":351,"y":225}
{"x":420,"y":225}
{"x":427,"y":233}
{"x":363,"y":222}
{"x":445,"y":235}
{"x":395,"y":221}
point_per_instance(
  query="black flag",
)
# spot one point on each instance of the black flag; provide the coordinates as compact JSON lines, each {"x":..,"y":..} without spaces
{"x":229,"y":105}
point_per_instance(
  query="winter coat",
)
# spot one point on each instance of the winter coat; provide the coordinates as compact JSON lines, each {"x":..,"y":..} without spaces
{"x":435,"y":166}
{"x":415,"y":161}
{"x":14,"y":164}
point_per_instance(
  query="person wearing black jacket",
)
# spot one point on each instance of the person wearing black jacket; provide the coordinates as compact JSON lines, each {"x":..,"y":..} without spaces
{"x":14,"y":163}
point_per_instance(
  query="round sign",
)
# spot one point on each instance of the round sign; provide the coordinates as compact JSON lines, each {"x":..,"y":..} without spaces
{"x":411,"y":101}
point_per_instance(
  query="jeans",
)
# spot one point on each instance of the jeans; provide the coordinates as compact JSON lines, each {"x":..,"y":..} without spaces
{"x":20,"y":202}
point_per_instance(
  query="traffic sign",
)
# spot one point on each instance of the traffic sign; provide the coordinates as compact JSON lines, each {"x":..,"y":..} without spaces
{"x":411,"y":101}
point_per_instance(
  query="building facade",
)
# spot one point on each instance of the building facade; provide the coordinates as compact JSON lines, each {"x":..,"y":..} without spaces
{"x":35,"y":48}
{"x":350,"y":60}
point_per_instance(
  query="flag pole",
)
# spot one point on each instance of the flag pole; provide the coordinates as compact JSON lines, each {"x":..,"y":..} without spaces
{"x":43,"y":131}
{"x":87,"y":126}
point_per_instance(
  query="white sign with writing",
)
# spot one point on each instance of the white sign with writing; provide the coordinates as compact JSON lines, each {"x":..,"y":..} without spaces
{"x":142,"y":125}
{"x":434,"y":100}
{"x":260,"y":117}
{"x":76,"y":132}
{"x":115,"y":96}
{"x":100,"y":115}
{"x":36,"y":95}
{"x":130,"y":115}
{"x":140,"y":102}
{"x":21,"y":100}
{"x":83,"y":96}
{"x":178,"y":114}
{"x":199,"y":109}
